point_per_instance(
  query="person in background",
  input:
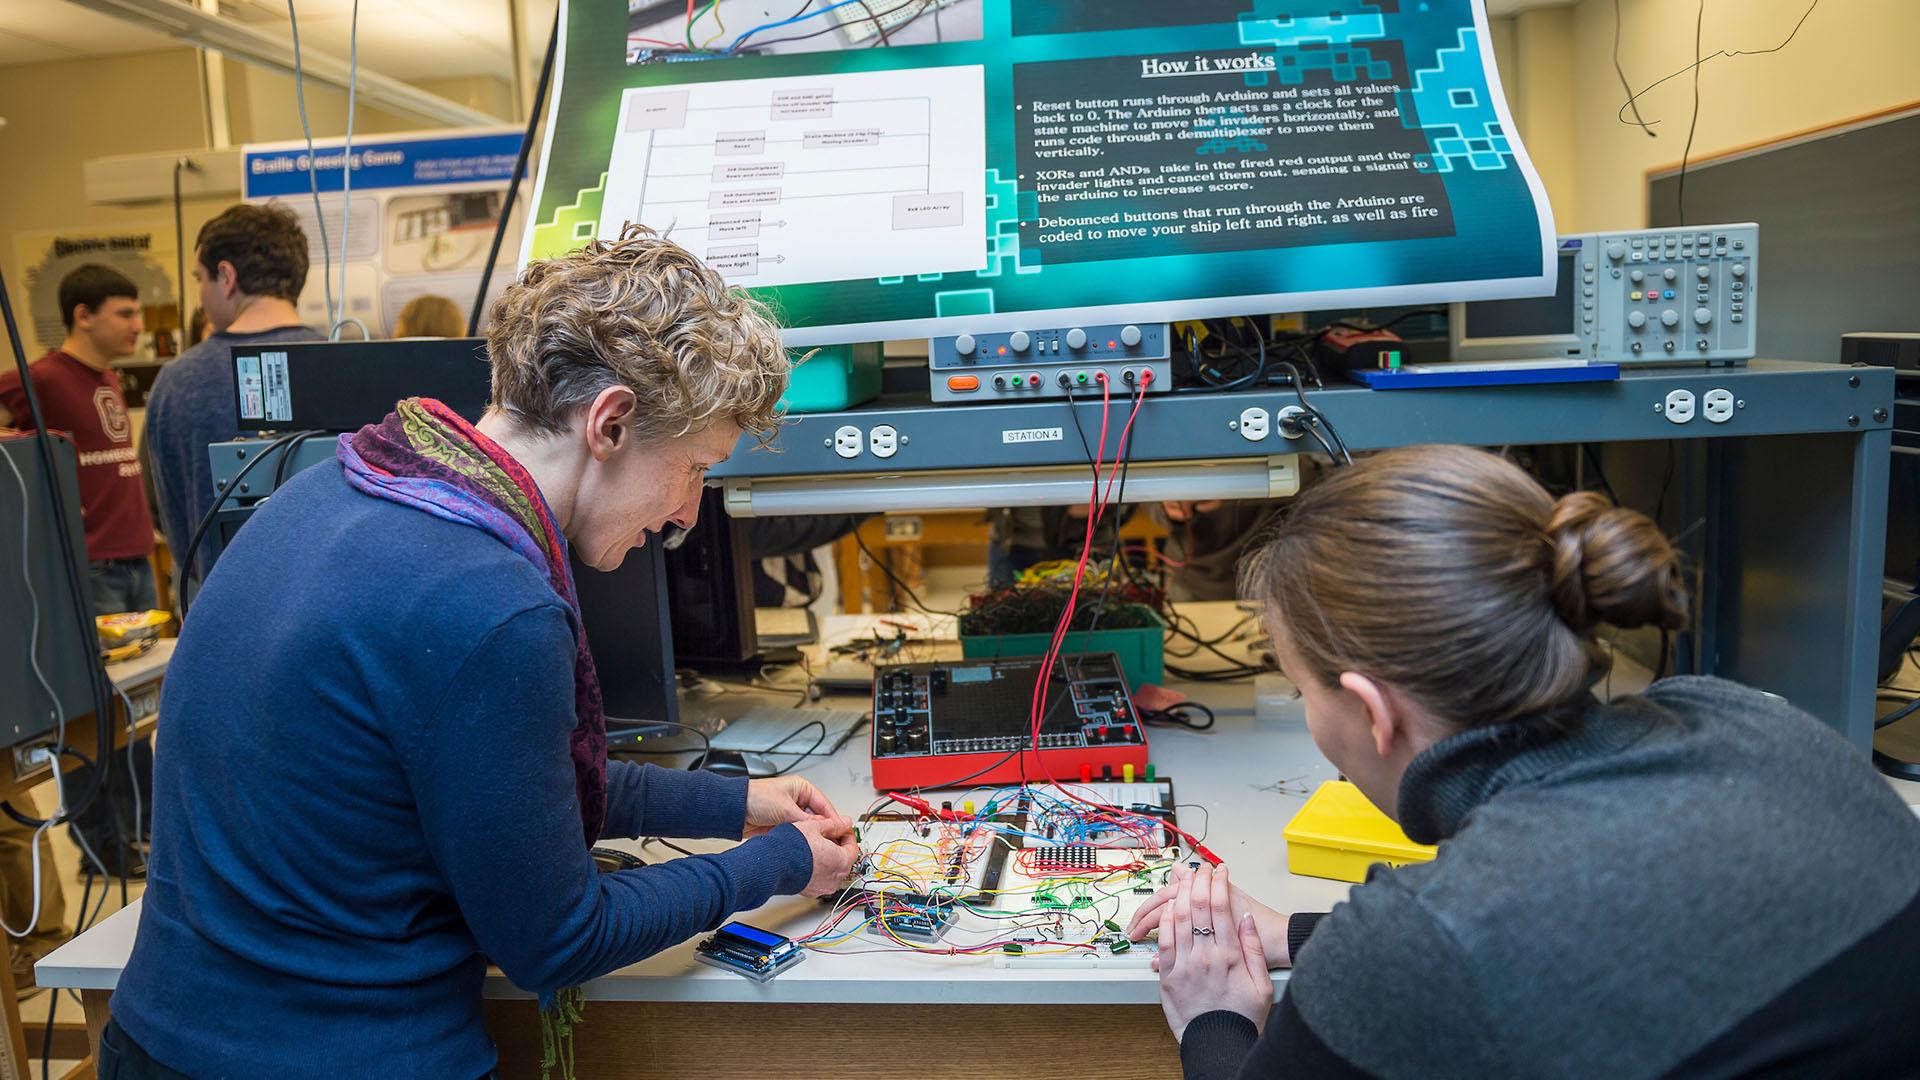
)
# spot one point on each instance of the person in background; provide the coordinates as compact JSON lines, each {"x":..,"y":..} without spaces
{"x":79,"y":394}
{"x":1698,"y":880}
{"x":250,"y":263}
{"x":430,"y":316}
{"x":362,"y":808}
{"x":1205,"y":542}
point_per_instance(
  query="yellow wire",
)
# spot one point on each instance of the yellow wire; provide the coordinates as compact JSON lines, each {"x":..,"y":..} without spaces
{"x":715,"y":7}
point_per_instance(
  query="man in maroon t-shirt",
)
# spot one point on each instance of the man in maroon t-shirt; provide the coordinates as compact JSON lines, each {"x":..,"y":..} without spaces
{"x":80,"y":396}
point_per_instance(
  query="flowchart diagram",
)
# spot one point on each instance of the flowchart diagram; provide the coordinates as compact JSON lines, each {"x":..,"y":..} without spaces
{"x":810,"y":178}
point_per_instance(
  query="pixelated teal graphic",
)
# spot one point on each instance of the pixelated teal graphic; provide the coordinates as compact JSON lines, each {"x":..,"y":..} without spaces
{"x":1006,"y":205}
{"x":1333,"y":23}
{"x":1322,"y":41}
{"x":1458,"y":124}
{"x":1229,"y":131}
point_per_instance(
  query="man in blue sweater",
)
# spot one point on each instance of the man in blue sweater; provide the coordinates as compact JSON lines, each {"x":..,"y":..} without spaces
{"x":384,"y":753}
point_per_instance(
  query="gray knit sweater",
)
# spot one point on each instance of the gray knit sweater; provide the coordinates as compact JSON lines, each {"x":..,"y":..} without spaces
{"x":1700,"y":881}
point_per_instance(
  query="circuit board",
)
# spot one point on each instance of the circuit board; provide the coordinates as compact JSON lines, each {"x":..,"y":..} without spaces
{"x":1016,"y":876}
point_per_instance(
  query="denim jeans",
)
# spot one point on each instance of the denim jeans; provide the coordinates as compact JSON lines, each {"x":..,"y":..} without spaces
{"x":118,"y":585}
{"x":123,"y":1059}
{"x":121,"y":585}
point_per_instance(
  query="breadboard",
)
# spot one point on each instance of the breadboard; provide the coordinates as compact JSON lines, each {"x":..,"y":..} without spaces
{"x":858,"y":20}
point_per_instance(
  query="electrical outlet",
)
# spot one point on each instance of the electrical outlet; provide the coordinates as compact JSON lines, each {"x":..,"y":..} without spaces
{"x":846,"y":441}
{"x":1291,"y":421}
{"x":1253,"y":425}
{"x":1679,"y":408}
{"x":1717,"y":405}
{"x":884,"y":441}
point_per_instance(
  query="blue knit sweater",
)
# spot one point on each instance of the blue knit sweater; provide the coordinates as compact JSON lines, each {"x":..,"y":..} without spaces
{"x":363,"y":792}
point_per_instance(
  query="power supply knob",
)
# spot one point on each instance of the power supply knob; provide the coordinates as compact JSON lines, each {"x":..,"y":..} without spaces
{"x":1129,"y":336}
{"x":1616,"y":250}
{"x":1703,"y":272}
{"x":1636,"y":318}
{"x":1739,"y":270}
{"x":1021,"y":341}
{"x":1076,"y":338}
{"x":1669,"y":273}
{"x":964,"y":344}
{"x":1702,"y":316}
{"x":1669,"y":318}
{"x":1638,"y":276}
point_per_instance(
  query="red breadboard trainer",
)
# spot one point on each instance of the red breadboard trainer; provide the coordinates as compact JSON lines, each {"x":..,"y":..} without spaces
{"x":959,"y":770}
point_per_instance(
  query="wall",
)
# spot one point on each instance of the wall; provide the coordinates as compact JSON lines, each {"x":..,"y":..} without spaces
{"x":83,"y":109}
{"x":1851,"y":57}
{"x":62,"y":113}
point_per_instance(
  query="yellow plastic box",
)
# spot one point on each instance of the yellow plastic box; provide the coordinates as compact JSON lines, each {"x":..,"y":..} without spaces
{"x":1339,"y":834}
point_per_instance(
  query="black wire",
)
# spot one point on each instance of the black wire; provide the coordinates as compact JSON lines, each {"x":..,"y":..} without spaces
{"x":286,"y":456}
{"x":1620,"y":71}
{"x":1680,"y":196}
{"x":706,"y":744}
{"x":1125,"y":453}
{"x":891,"y":576}
{"x":1176,"y":715}
{"x":1897,"y":715}
{"x":180,"y":249}
{"x":804,"y":754}
{"x":665,"y":843}
{"x":219,"y":500}
{"x":1621,"y":114}
{"x":1316,"y":417}
{"x":519,"y":172}
{"x":1599,"y":473}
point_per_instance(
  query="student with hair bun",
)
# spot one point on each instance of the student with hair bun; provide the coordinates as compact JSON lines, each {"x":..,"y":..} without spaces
{"x":1698,"y":880}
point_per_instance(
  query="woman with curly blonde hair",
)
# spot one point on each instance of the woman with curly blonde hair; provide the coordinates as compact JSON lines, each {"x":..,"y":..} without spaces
{"x":386,"y":752}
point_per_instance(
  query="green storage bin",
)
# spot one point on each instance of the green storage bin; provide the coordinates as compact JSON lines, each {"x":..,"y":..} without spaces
{"x":1141,"y":650}
{"x":835,"y":377}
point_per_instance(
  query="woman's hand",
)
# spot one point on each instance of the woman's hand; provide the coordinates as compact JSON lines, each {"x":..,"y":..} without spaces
{"x":1210,"y":955}
{"x":1271,"y":924}
{"x":777,"y":800}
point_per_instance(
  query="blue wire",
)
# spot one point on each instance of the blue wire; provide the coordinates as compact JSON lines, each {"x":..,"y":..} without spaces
{"x":786,"y":22}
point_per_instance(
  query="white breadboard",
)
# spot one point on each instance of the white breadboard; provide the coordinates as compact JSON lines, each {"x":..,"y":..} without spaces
{"x":858,"y":21}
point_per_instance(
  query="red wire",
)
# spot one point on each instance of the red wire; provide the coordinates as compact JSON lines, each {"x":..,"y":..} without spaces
{"x":1079,"y":573}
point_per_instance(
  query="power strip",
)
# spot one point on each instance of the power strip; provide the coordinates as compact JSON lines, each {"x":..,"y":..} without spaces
{"x":864,"y":20}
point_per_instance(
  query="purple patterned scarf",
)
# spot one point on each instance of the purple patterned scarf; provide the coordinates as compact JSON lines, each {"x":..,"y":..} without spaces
{"x":425,"y":456}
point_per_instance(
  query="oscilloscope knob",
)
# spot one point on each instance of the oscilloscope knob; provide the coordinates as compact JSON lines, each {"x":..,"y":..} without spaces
{"x":1636,"y":319}
{"x":1669,"y":317}
{"x":1616,"y":250}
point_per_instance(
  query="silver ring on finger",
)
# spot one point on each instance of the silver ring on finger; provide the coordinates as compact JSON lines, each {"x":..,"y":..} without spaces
{"x":1203,"y":931}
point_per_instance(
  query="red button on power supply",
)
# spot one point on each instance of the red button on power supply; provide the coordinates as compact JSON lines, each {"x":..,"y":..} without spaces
{"x":963,"y":382}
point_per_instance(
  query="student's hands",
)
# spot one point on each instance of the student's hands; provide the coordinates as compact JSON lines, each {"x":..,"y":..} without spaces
{"x":1181,"y":512}
{"x":1210,"y":954}
{"x":1271,"y":924}
{"x":834,"y":853}
{"x":774,"y":801}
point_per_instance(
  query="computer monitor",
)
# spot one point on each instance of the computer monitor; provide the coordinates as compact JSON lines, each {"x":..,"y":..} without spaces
{"x":1073,"y":163}
{"x":709,"y":584}
{"x":625,"y":614}
{"x":1529,"y":328}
